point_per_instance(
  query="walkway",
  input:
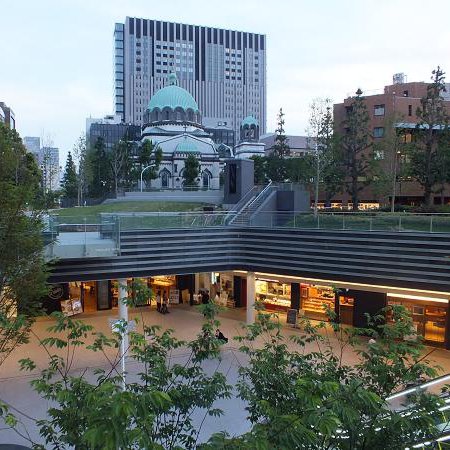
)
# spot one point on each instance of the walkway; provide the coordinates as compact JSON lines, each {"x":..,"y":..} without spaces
{"x":186,"y":321}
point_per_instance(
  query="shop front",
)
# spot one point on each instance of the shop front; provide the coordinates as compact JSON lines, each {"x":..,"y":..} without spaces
{"x":429,"y":316}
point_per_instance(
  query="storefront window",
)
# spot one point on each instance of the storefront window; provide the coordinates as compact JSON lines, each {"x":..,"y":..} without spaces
{"x":315,"y":300}
{"x":428,"y":318}
{"x":275,"y":295}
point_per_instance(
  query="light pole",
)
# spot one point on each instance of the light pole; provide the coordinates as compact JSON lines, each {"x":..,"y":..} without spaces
{"x":142,"y":173}
{"x":394,"y":180}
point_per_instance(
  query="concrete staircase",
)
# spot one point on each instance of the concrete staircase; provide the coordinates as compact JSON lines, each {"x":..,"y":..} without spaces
{"x":243,"y":216}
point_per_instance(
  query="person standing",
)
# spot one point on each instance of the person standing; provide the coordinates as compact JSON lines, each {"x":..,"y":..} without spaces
{"x":165,"y":303}
{"x":158,"y":301}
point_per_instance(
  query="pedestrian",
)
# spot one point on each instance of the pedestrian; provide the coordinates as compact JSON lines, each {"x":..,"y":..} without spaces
{"x":220,"y":336}
{"x":165,"y":303}
{"x":205,"y":297}
{"x":158,"y":301}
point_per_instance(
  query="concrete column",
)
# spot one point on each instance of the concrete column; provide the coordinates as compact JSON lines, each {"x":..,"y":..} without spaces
{"x":250,"y":297}
{"x":123,"y":314}
{"x":196,"y":282}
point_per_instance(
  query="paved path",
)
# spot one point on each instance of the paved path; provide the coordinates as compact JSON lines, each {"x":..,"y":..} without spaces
{"x":186,"y":321}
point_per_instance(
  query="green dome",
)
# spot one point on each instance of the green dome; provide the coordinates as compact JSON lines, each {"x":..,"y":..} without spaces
{"x":186,"y":146}
{"x":172,"y":96}
{"x":250,"y":120}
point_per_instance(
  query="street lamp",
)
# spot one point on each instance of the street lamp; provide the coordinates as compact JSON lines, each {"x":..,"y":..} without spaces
{"x":142,"y":173}
{"x":394,"y":180}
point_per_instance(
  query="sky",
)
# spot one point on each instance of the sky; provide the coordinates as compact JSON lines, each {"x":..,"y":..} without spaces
{"x":56,"y":56}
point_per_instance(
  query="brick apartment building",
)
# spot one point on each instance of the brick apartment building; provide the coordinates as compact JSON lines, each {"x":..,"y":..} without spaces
{"x":395,"y":107}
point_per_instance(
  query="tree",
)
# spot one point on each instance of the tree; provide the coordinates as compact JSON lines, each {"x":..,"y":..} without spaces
{"x":70,"y":181}
{"x":300,"y":169}
{"x":22,"y":268}
{"x":430,"y":147}
{"x":80,"y":154}
{"x":281,"y":147}
{"x":119,"y":159}
{"x":259,"y":166}
{"x":100,"y":410}
{"x":149,"y":156}
{"x":356,"y":143}
{"x":303,"y":394}
{"x":98,"y":173}
{"x":320,"y":130}
{"x":191,"y":171}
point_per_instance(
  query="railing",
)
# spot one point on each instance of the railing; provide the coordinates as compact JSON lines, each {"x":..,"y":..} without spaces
{"x":376,"y":222}
{"x":109,"y":225}
{"x":252,"y":201}
{"x":75,"y":237}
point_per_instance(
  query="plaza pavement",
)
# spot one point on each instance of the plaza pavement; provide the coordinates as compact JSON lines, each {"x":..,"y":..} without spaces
{"x":186,"y":322}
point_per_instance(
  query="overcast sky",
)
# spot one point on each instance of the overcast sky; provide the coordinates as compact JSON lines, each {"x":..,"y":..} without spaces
{"x":56,"y":56}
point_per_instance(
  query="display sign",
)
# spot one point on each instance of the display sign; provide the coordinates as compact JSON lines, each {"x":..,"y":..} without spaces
{"x":71,"y":307}
{"x":174,"y":296}
{"x":291,"y":317}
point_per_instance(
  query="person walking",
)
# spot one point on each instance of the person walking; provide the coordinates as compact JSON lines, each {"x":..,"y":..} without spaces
{"x":158,"y":301}
{"x":165,"y":303}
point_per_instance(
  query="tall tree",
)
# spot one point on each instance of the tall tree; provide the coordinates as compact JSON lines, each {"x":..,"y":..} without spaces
{"x":191,"y":171}
{"x":281,"y":147}
{"x":259,"y":165}
{"x":70,"y":181}
{"x":356,"y":144}
{"x":98,"y":173}
{"x":119,"y":161}
{"x":80,"y":154}
{"x":430,"y":145}
{"x":149,"y":155}
{"x":22,"y":269}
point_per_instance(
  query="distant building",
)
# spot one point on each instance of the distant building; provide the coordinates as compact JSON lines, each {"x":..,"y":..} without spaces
{"x":173,"y":123}
{"x":298,"y":145}
{"x":395,"y":106}
{"x":51,"y":171}
{"x":111,"y":129}
{"x":222,"y":134}
{"x":33,"y":145}
{"x":249,"y":144}
{"x":7,"y":116}
{"x":224,"y":70}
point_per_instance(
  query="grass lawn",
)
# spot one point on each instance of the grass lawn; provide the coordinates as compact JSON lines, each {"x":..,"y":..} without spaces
{"x":134,"y":206}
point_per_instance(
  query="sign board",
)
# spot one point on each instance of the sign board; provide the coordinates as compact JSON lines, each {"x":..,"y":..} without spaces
{"x":71,"y":307}
{"x":114,"y":323}
{"x":174,"y":296}
{"x":291,"y":317}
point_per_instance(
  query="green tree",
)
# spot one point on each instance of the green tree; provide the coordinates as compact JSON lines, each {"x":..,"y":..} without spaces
{"x":22,"y":268}
{"x":70,"y":181}
{"x":80,"y":154}
{"x":300,"y":169}
{"x":101,"y":410}
{"x":356,"y":145}
{"x":98,"y":176}
{"x":119,"y":159}
{"x":281,"y":146}
{"x":149,"y":156}
{"x":259,"y":169}
{"x":301,"y":392}
{"x":191,"y":171}
{"x":430,"y":147}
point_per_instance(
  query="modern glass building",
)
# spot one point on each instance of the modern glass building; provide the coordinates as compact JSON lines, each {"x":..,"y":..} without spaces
{"x":224,"y":70}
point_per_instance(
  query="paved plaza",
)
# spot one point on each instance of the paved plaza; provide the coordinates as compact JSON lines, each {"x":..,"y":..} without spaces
{"x":186,"y":321}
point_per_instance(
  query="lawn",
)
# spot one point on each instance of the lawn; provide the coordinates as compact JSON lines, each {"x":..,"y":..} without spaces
{"x":134,"y":206}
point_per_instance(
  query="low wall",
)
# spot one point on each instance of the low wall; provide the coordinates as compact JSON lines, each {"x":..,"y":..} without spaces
{"x":212,"y":196}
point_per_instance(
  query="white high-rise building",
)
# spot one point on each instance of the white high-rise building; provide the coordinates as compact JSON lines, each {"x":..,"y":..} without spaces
{"x":224,"y":70}
{"x":48,"y":161}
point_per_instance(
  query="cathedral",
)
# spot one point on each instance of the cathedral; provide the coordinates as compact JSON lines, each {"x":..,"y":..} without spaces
{"x":173,"y":122}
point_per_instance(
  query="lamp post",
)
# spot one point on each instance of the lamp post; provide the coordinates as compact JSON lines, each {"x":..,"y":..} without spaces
{"x":316,"y":193}
{"x":142,"y":173}
{"x":394,"y":180}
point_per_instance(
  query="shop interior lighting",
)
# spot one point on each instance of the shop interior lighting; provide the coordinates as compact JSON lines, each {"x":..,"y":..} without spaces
{"x":417,"y":297}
